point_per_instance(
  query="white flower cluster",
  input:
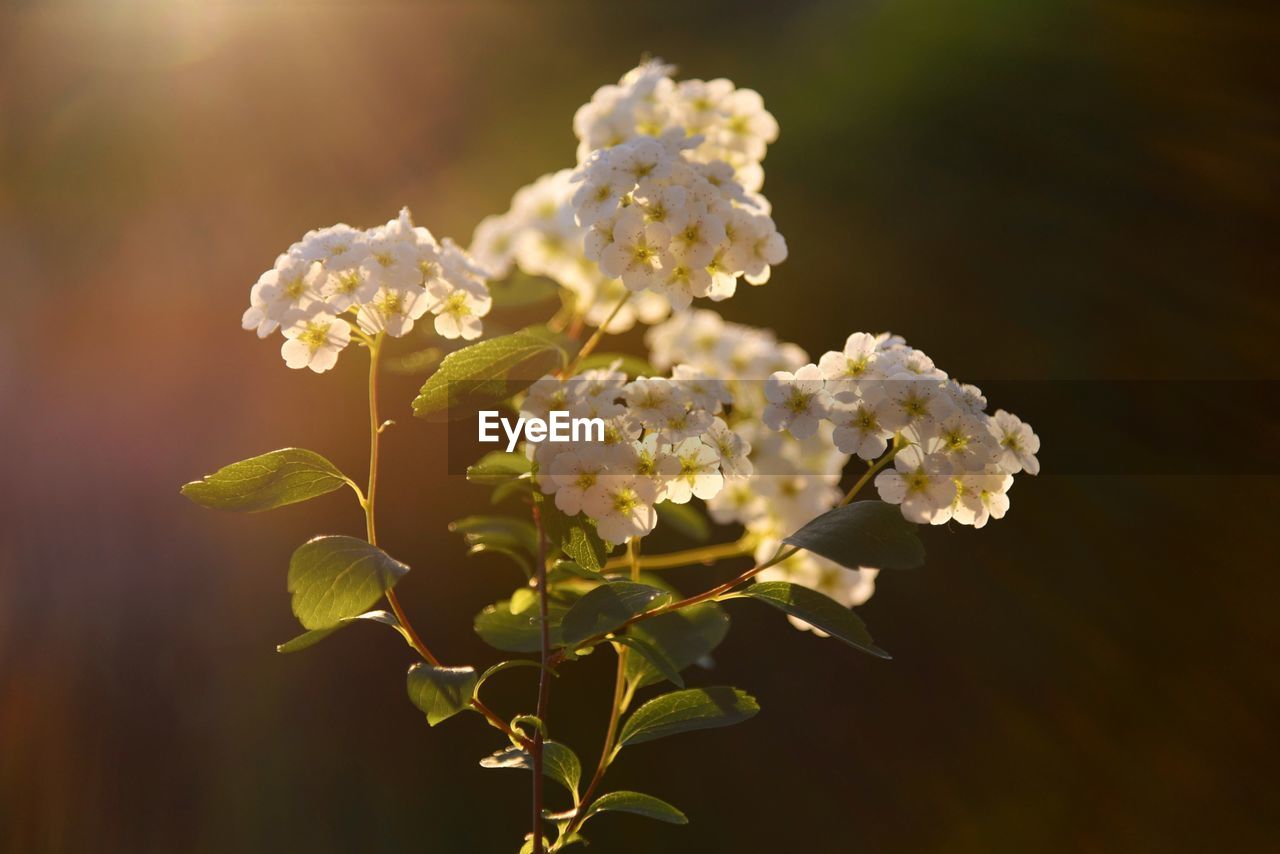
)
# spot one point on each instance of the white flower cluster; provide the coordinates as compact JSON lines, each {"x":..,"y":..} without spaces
{"x":703,"y":215}
{"x":956,"y":461}
{"x":794,"y":480}
{"x":541,"y":236}
{"x":379,"y":280}
{"x":732,"y":123}
{"x":665,"y":440}
{"x":665,"y":222}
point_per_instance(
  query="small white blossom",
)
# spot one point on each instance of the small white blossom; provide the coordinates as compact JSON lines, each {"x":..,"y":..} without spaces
{"x":797,"y":402}
{"x":314,"y":341}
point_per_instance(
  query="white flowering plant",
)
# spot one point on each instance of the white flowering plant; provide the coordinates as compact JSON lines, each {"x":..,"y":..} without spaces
{"x":719,"y":424}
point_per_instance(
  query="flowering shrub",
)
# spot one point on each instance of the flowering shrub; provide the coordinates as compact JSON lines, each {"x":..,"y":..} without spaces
{"x":662,"y":208}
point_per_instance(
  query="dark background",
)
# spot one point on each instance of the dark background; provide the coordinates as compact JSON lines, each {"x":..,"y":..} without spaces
{"x":1041,"y":191}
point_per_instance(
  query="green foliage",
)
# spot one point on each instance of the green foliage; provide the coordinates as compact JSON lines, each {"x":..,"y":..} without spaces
{"x":607,"y":607}
{"x":267,"y":481}
{"x":558,"y":762}
{"x":864,"y":533}
{"x":686,"y":711}
{"x":487,"y":373}
{"x":575,"y":537}
{"x":311,"y":638}
{"x":565,"y":570}
{"x":686,"y":519}
{"x":441,"y":692}
{"x":499,"y":467}
{"x":520,"y":631}
{"x":637,"y":804}
{"x":816,"y":609}
{"x":632,"y":366}
{"x":507,"y":665}
{"x":512,"y":538}
{"x":653,"y":658}
{"x":335,"y":578}
{"x":684,"y":637}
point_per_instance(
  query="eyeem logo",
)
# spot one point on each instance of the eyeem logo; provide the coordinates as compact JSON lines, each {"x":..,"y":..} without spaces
{"x":558,"y":426}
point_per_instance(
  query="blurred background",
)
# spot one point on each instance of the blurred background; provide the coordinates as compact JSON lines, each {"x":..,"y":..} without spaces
{"x":1029,"y":191}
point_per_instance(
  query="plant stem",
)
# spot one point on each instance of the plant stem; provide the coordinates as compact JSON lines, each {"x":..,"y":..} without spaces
{"x":594,"y":340}
{"x":369,"y":502}
{"x":687,"y":557}
{"x":621,"y":699}
{"x":782,"y":554}
{"x":544,"y":680}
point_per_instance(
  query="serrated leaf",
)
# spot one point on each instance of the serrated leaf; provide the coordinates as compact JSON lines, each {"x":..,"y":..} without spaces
{"x":267,"y":481}
{"x":607,"y":607}
{"x":440,"y":692}
{"x":686,"y":711}
{"x":686,"y":519}
{"x":575,"y":537}
{"x":632,"y":366}
{"x":652,"y":656}
{"x":311,"y":638}
{"x":816,"y":609}
{"x":499,"y":467}
{"x":484,"y":374}
{"x":333,"y":578}
{"x":558,"y":762}
{"x":520,"y":632}
{"x":638,"y":804}
{"x":864,"y":533}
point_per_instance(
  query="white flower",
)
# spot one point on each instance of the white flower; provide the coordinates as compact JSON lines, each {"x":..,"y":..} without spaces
{"x":290,"y":286}
{"x":571,"y":474}
{"x":980,"y":497}
{"x":622,"y":507}
{"x":796,"y":401}
{"x":393,"y":310}
{"x":922,"y":483}
{"x":703,"y":391}
{"x":732,"y":448}
{"x":493,"y":244}
{"x":339,"y":247}
{"x":856,"y":361}
{"x":857,"y":427}
{"x":638,"y":253}
{"x":693,"y":469}
{"x":347,"y":288}
{"x":314,"y":341}
{"x":1018,"y":444}
{"x":651,"y":401}
{"x":963,"y":438}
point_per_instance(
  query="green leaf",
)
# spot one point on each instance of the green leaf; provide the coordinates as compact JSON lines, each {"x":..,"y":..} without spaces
{"x":520,"y":631}
{"x":685,"y":637}
{"x":268,"y":481}
{"x":816,"y":609}
{"x":864,"y":533}
{"x":686,"y":519}
{"x":632,"y":366}
{"x":334,"y":578}
{"x":563,"y":570}
{"x":686,"y":711}
{"x":507,"y":665}
{"x":607,"y":607}
{"x":558,"y":762}
{"x":441,"y":692}
{"x":639,"y":804}
{"x":574,"y":536}
{"x":498,"y":467}
{"x":653,"y":657}
{"x":484,"y":374}
{"x":311,"y":638}
{"x":498,"y":531}
{"x":520,"y":290}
